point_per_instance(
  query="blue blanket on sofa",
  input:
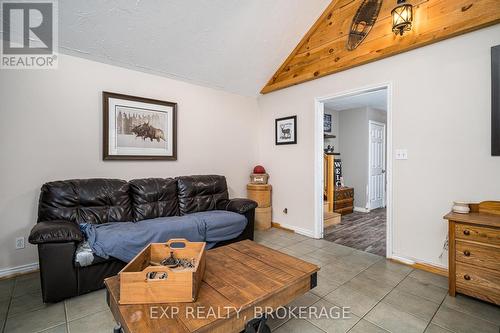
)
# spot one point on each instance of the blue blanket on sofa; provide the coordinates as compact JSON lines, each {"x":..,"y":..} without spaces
{"x":124,"y":240}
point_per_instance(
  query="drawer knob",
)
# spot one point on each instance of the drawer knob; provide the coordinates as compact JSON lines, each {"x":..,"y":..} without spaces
{"x":467,"y":253}
{"x":467,"y":277}
{"x":466,"y":232}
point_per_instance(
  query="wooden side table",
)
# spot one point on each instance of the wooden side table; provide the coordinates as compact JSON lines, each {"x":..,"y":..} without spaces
{"x":261,"y":193}
{"x":474,"y":252}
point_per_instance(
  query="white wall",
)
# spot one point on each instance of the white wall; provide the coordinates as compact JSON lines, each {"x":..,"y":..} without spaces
{"x":442,"y":106}
{"x":335,"y":142}
{"x":376,"y":115}
{"x":354,"y":152}
{"x":51,"y":128}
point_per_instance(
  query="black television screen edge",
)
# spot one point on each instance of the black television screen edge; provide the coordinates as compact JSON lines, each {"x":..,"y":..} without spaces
{"x":495,"y":100}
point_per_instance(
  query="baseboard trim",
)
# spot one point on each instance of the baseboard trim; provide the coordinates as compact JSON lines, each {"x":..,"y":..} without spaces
{"x":304,"y":232}
{"x":432,"y":269}
{"x":279,"y":226}
{"x":402,"y":260}
{"x":301,"y":231}
{"x":424,"y":266}
{"x":361,"y":210}
{"x":19,"y":270}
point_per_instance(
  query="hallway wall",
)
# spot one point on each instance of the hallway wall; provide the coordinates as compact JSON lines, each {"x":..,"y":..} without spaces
{"x":442,"y":115}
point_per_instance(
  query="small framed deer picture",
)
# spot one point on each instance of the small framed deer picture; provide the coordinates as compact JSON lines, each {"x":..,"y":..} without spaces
{"x":137,"y":128}
{"x":286,"y":131}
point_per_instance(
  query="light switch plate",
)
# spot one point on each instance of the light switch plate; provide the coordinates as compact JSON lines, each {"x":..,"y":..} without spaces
{"x":401,"y":154}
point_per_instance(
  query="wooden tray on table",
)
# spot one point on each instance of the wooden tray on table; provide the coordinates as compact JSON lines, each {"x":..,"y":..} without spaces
{"x":142,"y":282}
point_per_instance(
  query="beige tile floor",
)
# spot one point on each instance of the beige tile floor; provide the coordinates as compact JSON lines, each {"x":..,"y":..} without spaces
{"x":383,"y":297}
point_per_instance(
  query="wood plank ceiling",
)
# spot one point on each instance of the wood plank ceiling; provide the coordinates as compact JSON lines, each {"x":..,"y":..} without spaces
{"x":323,"y":50}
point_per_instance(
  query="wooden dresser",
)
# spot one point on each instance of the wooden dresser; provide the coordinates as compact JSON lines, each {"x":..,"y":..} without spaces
{"x":344,"y":200}
{"x":474,"y":252}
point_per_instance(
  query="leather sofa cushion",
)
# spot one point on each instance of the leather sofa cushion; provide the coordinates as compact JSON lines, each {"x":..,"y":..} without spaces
{"x":85,"y":201}
{"x":200,"y":193}
{"x":153,"y":197}
{"x":55,"y":232}
{"x":240,"y":206}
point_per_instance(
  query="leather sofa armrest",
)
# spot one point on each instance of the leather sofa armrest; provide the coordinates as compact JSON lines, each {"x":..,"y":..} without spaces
{"x":58,"y":231}
{"x":240,"y":206}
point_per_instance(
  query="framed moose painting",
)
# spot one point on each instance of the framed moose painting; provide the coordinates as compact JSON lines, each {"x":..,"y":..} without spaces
{"x":286,"y":131}
{"x":137,"y":128}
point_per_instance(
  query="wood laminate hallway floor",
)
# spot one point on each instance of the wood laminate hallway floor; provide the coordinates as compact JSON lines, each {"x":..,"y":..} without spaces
{"x":361,"y":231}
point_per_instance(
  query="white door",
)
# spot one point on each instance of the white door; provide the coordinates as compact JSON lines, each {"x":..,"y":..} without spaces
{"x":376,"y":160}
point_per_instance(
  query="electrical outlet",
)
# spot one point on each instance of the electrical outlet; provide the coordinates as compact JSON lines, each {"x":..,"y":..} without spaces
{"x":20,"y":243}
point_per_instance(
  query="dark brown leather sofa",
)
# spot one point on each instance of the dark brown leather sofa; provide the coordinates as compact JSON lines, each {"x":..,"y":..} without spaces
{"x":65,"y":204}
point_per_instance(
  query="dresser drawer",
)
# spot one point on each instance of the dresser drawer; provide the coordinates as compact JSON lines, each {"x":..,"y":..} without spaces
{"x":478,"y":255}
{"x":477,"y":234}
{"x":477,"y":282}
{"x":344,"y":193}
{"x":343,"y":203}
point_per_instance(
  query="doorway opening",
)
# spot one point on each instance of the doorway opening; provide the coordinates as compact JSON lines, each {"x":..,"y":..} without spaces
{"x":353,"y":173}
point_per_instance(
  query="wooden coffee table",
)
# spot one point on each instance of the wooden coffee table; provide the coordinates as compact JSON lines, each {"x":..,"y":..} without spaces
{"x":243,"y":276}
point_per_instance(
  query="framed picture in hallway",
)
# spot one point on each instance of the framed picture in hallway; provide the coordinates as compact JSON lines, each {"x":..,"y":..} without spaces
{"x":286,"y":130}
{"x":136,"y":128}
{"x":327,"y":123}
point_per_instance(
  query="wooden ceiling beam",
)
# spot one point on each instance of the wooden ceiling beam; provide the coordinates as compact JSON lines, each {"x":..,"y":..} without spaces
{"x":323,"y":50}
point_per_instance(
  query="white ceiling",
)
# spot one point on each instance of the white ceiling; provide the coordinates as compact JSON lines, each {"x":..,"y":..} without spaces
{"x":374,"y":99}
{"x":234,"y":45}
